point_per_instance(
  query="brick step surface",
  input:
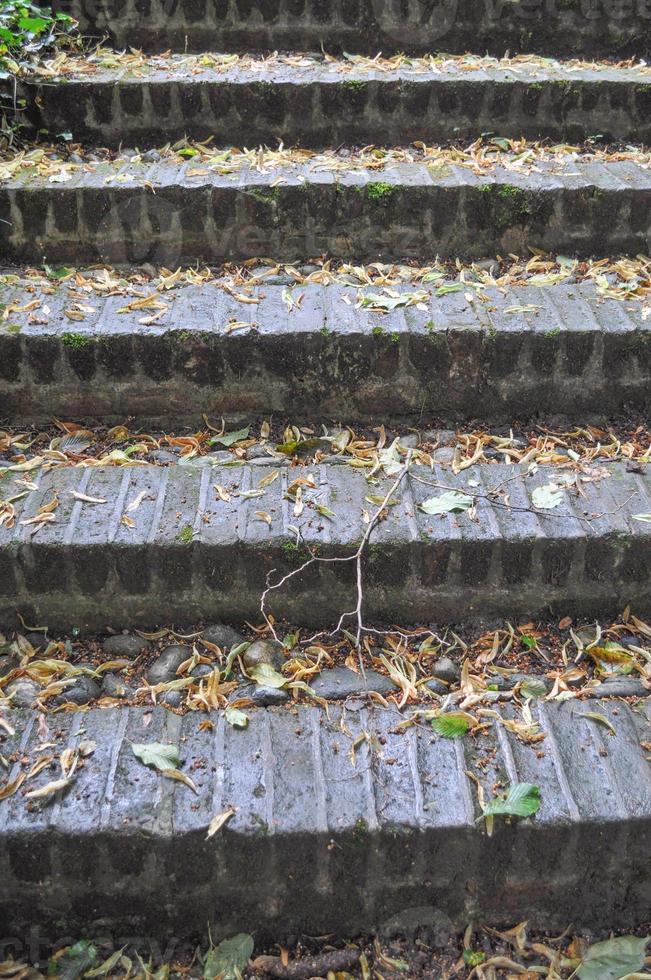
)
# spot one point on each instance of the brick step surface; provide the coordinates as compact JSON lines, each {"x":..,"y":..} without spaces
{"x":572,"y":29}
{"x":492,"y":354}
{"x":324,"y":837}
{"x":169,"y":213}
{"x":203,"y":542}
{"x":328,"y":104}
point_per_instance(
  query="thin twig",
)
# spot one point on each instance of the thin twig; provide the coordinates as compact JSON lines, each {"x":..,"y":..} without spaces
{"x":356,"y":557}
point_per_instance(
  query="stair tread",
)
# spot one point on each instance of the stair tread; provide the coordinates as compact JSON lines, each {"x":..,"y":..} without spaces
{"x":196,"y":554}
{"x":321,"y":104}
{"x":368,"y":26}
{"x":290,"y":204}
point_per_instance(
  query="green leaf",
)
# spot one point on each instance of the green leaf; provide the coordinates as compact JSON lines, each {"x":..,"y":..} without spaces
{"x":35,"y":25}
{"x":187,"y":152}
{"x":473,"y":957}
{"x":74,"y":962}
{"x":613,"y":959}
{"x":451,"y":502}
{"x":303,"y":446}
{"x":533,"y":688}
{"x":157,"y":755}
{"x":229,"y":959}
{"x":450,"y":726}
{"x":600,"y":719}
{"x":547,"y":496}
{"x":522,"y":800}
{"x":612,"y":658}
{"x":235,"y":717}
{"x":229,"y":438}
{"x":265,"y":676}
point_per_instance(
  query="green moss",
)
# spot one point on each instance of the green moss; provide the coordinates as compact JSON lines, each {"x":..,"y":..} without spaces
{"x":354,"y":84}
{"x":550,"y":334}
{"x":185,"y":534}
{"x":74,"y":340}
{"x":378,"y":191}
{"x":13,"y":328}
{"x":292,"y":552}
{"x":325,"y":331}
{"x":507,"y":205}
{"x":395,"y":337}
{"x":377,"y":332}
{"x":269,"y":196}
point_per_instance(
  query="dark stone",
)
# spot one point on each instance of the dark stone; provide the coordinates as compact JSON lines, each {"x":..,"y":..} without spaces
{"x":222,"y":636}
{"x":622,"y":687}
{"x":114,"y":686}
{"x":437,"y":687}
{"x":165,"y":667}
{"x":340,"y":682}
{"x":163,"y":456}
{"x":202,"y":670}
{"x":83,"y":690}
{"x":23,"y":692}
{"x":6,"y":664}
{"x":264,"y":652}
{"x":446,"y":670}
{"x":265,"y":697}
{"x":172,"y":699}
{"x":38,"y":640}
{"x":125,"y":645}
{"x":426,"y":923}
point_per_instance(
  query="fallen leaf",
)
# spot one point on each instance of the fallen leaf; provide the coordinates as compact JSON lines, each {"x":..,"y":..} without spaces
{"x":219,"y":820}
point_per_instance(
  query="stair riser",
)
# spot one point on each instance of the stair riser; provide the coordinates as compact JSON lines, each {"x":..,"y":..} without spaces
{"x":192,"y":556}
{"x":369,"y":26}
{"x":576,"y":353}
{"x":212,"y":222}
{"x":351,"y":110}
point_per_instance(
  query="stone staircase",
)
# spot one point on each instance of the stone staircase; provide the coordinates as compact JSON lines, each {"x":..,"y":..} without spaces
{"x":144,"y":192}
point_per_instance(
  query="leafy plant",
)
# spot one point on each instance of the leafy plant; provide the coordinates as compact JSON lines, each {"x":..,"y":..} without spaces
{"x":28,"y":29}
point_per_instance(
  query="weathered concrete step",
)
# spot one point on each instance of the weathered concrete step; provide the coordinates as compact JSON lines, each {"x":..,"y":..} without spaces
{"x":415,"y":26}
{"x":327,"y":104}
{"x":169,"y":213}
{"x":188,"y":552}
{"x":494,"y":354}
{"x":388,"y":826}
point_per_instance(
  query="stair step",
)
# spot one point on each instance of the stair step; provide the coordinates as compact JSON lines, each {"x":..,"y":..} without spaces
{"x":170,"y":214}
{"x":320,"y":104}
{"x":387,"y":820}
{"x":367,"y":26}
{"x":493,"y":353}
{"x":187,"y":554}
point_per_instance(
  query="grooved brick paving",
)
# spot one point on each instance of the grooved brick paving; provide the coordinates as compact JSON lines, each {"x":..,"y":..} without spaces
{"x":320,"y":841}
{"x":197,"y":556}
{"x":138,"y":212}
{"x":520,"y":350}
{"x":320,"y":106}
{"x":570,"y":28}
